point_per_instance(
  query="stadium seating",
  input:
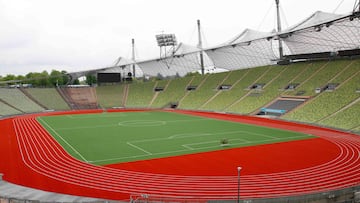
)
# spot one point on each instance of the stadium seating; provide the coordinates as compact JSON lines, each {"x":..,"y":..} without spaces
{"x":19,"y":100}
{"x":140,"y":94}
{"x":111,"y":96}
{"x":337,"y":108}
{"x":357,"y":130}
{"x":7,"y":110}
{"x":320,"y":73}
{"x":327,"y":103}
{"x":240,"y":84}
{"x":257,"y":98}
{"x":79,"y":97}
{"x":205,"y":90}
{"x":174,"y":91}
{"x":49,"y":97}
{"x":347,"y":119}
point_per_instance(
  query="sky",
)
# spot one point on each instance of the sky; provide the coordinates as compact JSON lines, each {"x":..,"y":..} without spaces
{"x":74,"y":35}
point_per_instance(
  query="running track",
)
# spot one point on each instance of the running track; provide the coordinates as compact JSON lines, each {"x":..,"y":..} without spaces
{"x":40,"y":156}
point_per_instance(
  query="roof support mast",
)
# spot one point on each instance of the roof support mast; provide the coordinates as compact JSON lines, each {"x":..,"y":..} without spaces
{"x":281,"y":52}
{"x":133,"y":56}
{"x":200,"y":47}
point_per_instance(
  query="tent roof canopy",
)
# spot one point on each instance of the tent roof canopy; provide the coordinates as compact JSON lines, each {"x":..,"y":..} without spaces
{"x":315,"y":19}
{"x":256,"y":48}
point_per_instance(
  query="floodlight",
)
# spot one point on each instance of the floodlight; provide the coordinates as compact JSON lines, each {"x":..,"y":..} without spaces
{"x":166,"y":40}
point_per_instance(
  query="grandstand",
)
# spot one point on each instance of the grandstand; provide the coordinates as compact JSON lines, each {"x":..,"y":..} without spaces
{"x":48,"y":97}
{"x":111,"y":96}
{"x":324,"y":108}
{"x":204,"y":90}
{"x":241,"y":97}
{"x":174,"y":91}
{"x":79,"y":97}
{"x":141,"y":94}
{"x":18,"y":101}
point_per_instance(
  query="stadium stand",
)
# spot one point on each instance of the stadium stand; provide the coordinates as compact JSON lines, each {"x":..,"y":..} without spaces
{"x":110,"y":96}
{"x":301,"y":79}
{"x":18,"y":100}
{"x":325,"y":108}
{"x":140,"y":94}
{"x":27,"y":94}
{"x":255,"y":97}
{"x":174,"y":91}
{"x":205,"y":90}
{"x":79,"y":97}
{"x":346,"y":118}
{"x":239,"y":88}
{"x":193,"y":85}
{"x":160,"y":87}
{"x":48,"y":97}
{"x":329,"y":102}
{"x":7,"y":110}
{"x":357,"y":129}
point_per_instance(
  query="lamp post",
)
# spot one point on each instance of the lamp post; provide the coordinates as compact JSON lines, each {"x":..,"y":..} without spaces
{"x":238,"y":192}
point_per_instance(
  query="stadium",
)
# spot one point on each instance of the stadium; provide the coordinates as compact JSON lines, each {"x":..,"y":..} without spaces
{"x":264,"y":117}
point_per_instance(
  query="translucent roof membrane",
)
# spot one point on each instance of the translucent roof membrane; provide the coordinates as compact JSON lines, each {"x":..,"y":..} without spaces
{"x":328,"y":37}
{"x":243,"y":55}
{"x":176,"y":65}
{"x":321,"y":32}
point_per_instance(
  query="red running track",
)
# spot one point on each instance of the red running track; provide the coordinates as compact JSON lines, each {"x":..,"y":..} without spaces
{"x":35,"y":159}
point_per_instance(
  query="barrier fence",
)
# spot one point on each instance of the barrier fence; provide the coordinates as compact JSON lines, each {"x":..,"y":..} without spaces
{"x":347,"y":195}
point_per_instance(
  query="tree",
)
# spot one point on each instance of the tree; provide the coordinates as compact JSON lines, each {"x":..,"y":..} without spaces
{"x":76,"y":82}
{"x":90,"y":79}
{"x":65,"y":78}
{"x":9,"y":77}
{"x":44,"y":79}
{"x":20,"y":78}
{"x":57,"y":78}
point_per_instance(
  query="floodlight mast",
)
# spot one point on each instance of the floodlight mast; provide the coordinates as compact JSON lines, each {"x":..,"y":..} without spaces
{"x":200,"y":47}
{"x":281,"y":52}
{"x":164,"y":40}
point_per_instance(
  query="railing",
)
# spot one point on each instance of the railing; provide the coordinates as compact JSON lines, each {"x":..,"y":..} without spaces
{"x":347,"y":195}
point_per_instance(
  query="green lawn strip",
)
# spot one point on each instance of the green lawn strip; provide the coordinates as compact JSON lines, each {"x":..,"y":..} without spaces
{"x":121,"y":137}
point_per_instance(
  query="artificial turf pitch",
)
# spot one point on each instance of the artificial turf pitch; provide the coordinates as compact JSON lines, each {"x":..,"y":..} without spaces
{"x":107,"y":138}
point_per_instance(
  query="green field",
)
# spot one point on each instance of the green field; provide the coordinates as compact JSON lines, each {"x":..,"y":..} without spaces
{"x":106,"y":138}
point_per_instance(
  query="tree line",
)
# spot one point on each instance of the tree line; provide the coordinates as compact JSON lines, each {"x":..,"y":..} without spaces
{"x":37,"y":79}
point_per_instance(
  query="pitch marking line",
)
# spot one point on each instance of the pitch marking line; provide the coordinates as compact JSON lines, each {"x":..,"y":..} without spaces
{"x":57,"y":134}
{"x":139,"y":148}
{"x":189,"y":148}
{"x":137,"y":156}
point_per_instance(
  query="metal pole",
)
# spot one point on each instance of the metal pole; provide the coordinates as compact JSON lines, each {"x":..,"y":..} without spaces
{"x":238,"y":192}
{"x":133,"y":56}
{"x":281,"y":52}
{"x":200,"y":47}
